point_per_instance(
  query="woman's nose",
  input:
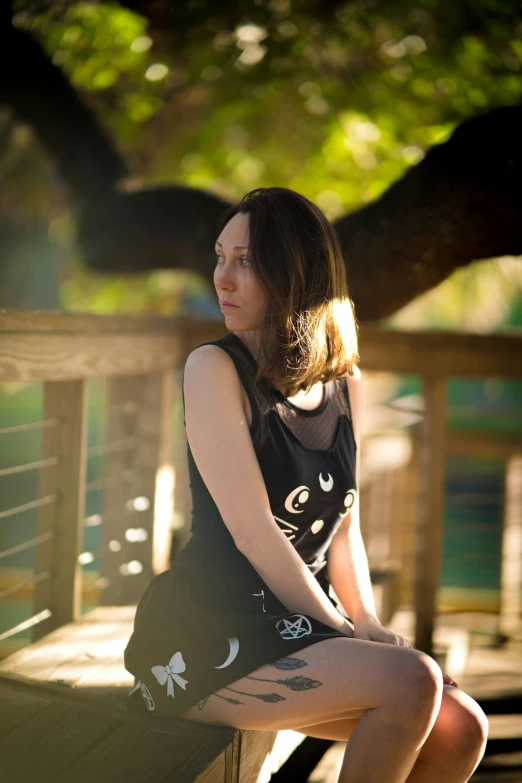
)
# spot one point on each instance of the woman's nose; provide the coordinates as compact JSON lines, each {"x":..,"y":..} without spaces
{"x":223,"y":279}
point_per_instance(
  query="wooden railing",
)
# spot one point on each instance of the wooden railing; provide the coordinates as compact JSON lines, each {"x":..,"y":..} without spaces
{"x":435,"y":357}
{"x":139,"y":360}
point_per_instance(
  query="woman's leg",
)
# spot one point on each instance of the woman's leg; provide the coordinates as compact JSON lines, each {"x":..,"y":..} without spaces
{"x":394,"y":693}
{"x":453,"y":749}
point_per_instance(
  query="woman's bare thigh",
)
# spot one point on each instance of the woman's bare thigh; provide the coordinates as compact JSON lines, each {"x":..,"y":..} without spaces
{"x":457,"y":707}
{"x":333,"y":678}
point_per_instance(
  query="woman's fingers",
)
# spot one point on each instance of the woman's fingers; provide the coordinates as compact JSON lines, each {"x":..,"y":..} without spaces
{"x":448,"y":680}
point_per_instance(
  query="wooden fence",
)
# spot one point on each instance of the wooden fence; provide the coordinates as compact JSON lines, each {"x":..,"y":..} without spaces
{"x":139,"y":360}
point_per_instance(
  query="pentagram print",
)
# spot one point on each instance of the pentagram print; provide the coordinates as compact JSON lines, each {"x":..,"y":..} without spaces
{"x":294,"y":627}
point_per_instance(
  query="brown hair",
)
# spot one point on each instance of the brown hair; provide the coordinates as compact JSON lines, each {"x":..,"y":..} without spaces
{"x":308,"y":332}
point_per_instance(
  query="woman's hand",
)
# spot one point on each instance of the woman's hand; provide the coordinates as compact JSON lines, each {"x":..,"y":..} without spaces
{"x":369,"y":629}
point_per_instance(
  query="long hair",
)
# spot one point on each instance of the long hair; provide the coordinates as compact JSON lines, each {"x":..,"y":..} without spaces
{"x":308,"y":331}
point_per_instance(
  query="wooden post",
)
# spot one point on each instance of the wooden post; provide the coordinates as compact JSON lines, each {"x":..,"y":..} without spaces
{"x":60,"y":592}
{"x":409,"y":524}
{"x":136,"y":523}
{"x":430,"y":510}
{"x":182,"y":490}
{"x":162,"y":394}
{"x":510,"y":618}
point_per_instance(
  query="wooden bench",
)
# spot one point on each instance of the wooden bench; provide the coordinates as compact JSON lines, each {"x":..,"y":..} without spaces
{"x":63,"y":718}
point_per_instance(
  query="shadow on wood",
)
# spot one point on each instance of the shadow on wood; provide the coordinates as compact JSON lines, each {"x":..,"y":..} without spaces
{"x":64,"y":697}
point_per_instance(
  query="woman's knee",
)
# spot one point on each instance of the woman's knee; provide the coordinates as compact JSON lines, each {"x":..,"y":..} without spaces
{"x":462,"y":725}
{"x":421,"y":685}
{"x":422,"y":674}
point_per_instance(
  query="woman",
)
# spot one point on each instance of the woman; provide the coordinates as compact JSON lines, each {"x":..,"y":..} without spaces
{"x":245,"y":630}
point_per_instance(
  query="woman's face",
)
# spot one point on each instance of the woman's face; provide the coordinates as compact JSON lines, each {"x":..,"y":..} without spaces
{"x":234,"y":278}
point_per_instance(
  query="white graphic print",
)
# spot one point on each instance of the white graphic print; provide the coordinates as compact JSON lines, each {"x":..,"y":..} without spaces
{"x":298,"y":495}
{"x":134,"y":689}
{"x":326,"y":485}
{"x":291,"y":527}
{"x":349,"y":500}
{"x":167,"y":674}
{"x":262,"y":593}
{"x":291,"y":628}
{"x":234,"y":649}
{"x":318,"y":563}
{"x":147,"y":697}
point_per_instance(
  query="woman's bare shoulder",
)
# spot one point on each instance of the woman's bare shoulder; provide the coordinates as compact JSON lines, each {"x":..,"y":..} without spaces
{"x":211,"y":377}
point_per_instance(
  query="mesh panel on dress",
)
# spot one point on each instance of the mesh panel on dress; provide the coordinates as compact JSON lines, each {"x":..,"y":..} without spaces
{"x":315,"y":430}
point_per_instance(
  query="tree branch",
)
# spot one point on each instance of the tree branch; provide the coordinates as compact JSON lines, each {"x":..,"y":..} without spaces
{"x":461,"y":203}
{"x":40,"y":95}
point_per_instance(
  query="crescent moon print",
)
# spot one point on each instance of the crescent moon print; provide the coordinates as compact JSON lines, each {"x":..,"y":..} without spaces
{"x":326,"y":485}
{"x":234,"y":649}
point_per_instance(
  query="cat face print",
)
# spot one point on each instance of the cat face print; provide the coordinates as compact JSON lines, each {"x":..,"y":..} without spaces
{"x":309,"y":500}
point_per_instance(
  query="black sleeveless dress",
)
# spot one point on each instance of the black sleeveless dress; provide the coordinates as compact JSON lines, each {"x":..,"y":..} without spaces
{"x":211,"y":619}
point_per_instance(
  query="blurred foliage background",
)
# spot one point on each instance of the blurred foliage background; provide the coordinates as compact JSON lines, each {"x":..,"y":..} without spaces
{"x":334,"y":101}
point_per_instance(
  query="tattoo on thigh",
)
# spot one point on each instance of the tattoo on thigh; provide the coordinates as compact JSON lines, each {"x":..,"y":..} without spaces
{"x":296,"y":683}
{"x":270,"y":697}
{"x":289,"y":663}
{"x":230,"y":701}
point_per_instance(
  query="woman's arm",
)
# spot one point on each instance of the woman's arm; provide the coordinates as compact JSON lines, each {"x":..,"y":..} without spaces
{"x":348,"y":571}
{"x":347,"y":562}
{"x":224,"y":454}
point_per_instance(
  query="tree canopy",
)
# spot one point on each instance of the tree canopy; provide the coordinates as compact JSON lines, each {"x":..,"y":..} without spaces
{"x":405,"y":117}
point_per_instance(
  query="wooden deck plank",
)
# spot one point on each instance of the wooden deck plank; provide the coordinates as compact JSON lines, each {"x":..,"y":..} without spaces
{"x":47,"y":742}
{"x":67,"y":739}
{"x":15,"y":708}
{"x":136,"y":754}
{"x":256,"y":749}
{"x":65,"y":699}
{"x":191,"y":730}
{"x":73,"y":650}
{"x":492,"y":673}
{"x":86,"y":656}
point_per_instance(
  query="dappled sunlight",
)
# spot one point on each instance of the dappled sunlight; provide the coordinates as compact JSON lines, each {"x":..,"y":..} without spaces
{"x":476,"y":298}
{"x":286,"y":742}
{"x":90,"y":654}
{"x":387,"y":452}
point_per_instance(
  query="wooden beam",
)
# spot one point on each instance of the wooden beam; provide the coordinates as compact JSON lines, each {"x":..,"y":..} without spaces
{"x":430,"y":510}
{"x":441,"y":353}
{"x":483,"y":445}
{"x":41,"y":356}
{"x":39,"y":339}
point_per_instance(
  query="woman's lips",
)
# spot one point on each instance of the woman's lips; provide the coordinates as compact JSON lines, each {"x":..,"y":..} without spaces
{"x":228,"y":306}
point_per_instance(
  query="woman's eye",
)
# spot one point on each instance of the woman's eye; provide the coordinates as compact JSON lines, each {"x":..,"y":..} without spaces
{"x":242,"y":259}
